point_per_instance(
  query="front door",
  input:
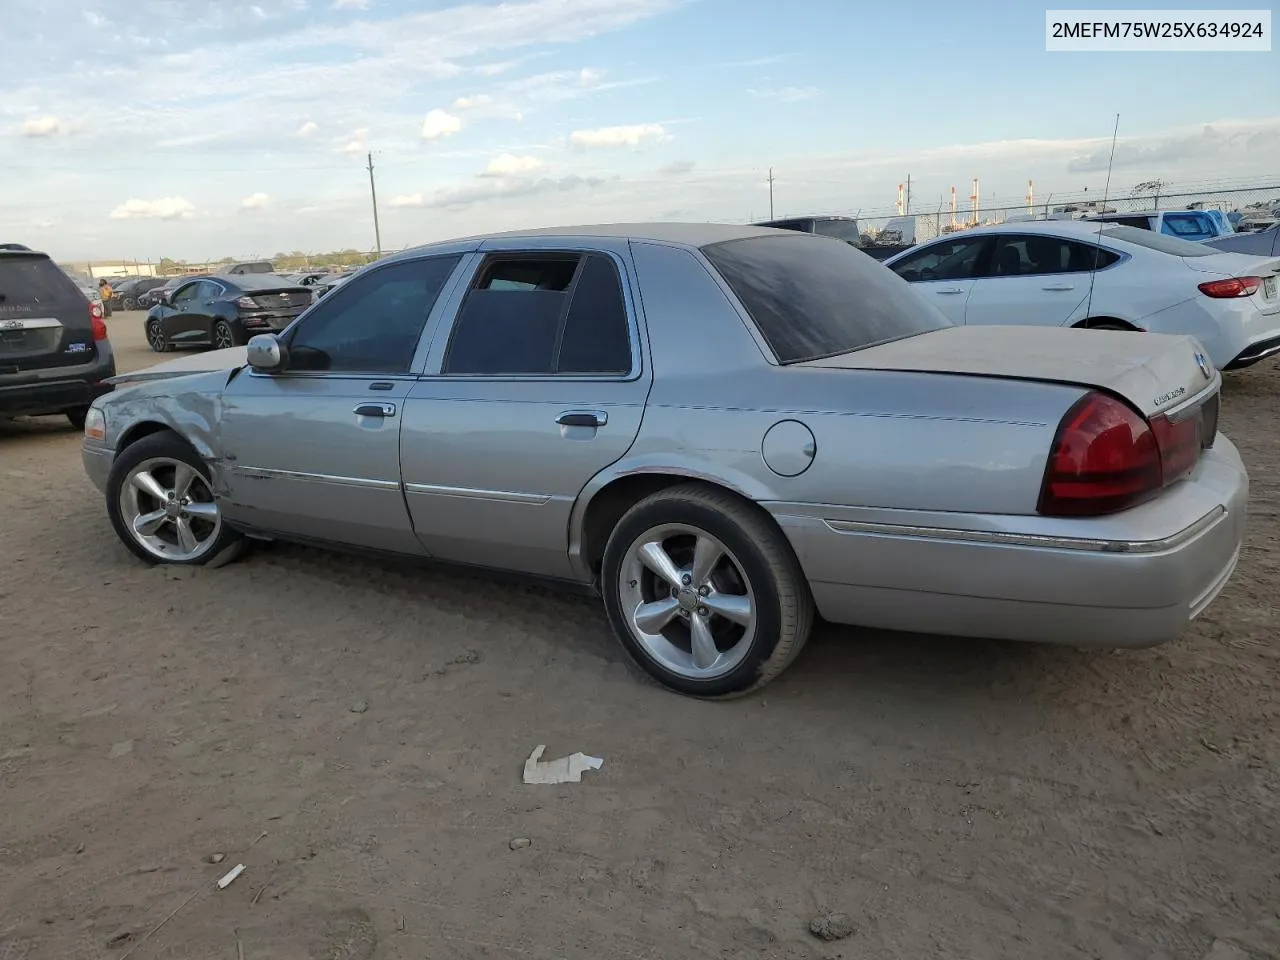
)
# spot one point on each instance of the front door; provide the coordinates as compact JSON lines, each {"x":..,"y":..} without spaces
{"x":1034,"y":279}
{"x":313,"y":451}
{"x":182,"y":321}
{"x":944,"y":271}
{"x":539,"y":385}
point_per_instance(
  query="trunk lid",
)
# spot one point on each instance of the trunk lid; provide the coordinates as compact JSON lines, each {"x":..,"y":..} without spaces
{"x":1154,"y":372}
{"x":44,"y":317}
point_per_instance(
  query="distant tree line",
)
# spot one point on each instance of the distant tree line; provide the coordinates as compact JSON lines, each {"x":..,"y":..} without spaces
{"x":292,"y":262}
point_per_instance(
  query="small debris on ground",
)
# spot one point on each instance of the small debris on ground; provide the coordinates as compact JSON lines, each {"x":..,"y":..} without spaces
{"x":832,"y":926}
{"x":565,"y":770}
{"x":121,"y":749}
{"x":230,"y":876}
{"x":215,"y":857}
{"x":149,"y":868}
{"x":119,"y":937}
{"x":519,"y":843}
{"x":360,"y":706}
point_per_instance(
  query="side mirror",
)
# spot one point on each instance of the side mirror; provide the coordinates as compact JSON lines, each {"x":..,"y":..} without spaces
{"x":264,"y":352}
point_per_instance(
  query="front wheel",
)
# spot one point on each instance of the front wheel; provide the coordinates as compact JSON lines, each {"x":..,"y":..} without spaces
{"x":704,"y":592}
{"x":156,"y":338}
{"x":161,"y":503}
{"x":223,"y":336}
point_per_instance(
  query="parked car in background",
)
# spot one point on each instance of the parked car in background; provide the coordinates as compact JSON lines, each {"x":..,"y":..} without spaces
{"x":1043,"y":274}
{"x":1258,"y":243}
{"x":149,"y":298}
{"x":841,"y":228}
{"x":224,"y":311}
{"x":54,"y":353}
{"x":1193,"y":225}
{"x":247,"y":266}
{"x":784,"y":430}
{"x":329,"y":283}
{"x":129,"y":292}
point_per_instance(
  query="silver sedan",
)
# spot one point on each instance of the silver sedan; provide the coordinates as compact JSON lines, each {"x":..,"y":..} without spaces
{"x":723,"y":430}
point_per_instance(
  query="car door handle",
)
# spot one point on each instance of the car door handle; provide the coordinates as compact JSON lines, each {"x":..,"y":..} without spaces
{"x":375,"y":410}
{"x":950,"y":290}
{"x":583,"y":418}
{"x":1059,"y":286}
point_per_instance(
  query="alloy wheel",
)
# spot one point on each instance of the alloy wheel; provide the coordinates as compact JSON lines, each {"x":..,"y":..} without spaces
{"x":169,"y":509}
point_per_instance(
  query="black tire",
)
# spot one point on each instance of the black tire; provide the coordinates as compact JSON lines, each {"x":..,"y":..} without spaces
{"x":156,"y":339}
{"x":77,"y":416}
{"x":784,"y":611}
{"x":129,"y":304}
{"x":1106,"y":325}
{"x":163,"y":445}
{"x":223,"y":336}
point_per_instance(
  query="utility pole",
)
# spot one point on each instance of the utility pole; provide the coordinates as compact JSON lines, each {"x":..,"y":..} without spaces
{"x":907,"y":210}
{"x":373,"y":193}
{"x":771,"y":193}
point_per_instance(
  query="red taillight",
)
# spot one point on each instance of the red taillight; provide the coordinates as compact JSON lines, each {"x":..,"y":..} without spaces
{"x":96,"y":321}
{"x":1104,"y":459}
{"x":1107,"y":458}
{"x":1234,"y":287}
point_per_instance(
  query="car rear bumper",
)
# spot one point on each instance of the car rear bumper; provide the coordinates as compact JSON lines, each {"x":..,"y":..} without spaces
{"x":57,"y":389}
{"x":1267,"y":346}
{"x":1081,"y":582}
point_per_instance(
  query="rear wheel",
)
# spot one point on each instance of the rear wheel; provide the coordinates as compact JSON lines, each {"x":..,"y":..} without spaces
{"x":704,"y":592}
{"x":129,"y":304}
{"x":156,"y":338}
{"x":161,"y":503}
{"x":223,"y":336}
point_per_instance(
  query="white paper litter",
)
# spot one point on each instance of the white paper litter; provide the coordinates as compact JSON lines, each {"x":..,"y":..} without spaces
{"x":565,"y":770}
{"x":231,"y":875}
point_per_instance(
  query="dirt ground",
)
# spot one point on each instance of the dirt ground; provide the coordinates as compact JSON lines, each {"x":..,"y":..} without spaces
{"x":354,"y":732}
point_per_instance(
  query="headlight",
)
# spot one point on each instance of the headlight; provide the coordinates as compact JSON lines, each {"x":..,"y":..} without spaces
{"x":95,"y":424}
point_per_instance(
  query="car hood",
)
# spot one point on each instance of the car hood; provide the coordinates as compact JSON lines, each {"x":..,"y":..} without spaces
{"x":207,"y":362}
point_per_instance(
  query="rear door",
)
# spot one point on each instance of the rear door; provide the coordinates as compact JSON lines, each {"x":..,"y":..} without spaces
{"x":1034,"y":279}
{"x":537,"y":387}
{"x":44,"y":318}
{"x":944,"y":271}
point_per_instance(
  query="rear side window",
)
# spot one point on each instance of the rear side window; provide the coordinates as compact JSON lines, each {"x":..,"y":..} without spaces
{"x":30,"y":286}
{"x":542,"y":316}
{"x":814,"y":297}
{"x":1158,"y":241}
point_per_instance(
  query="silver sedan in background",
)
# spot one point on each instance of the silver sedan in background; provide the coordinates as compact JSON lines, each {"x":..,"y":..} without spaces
{"x":723,"y":430}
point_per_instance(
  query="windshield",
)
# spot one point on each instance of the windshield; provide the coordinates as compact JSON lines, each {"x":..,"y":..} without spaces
{"x":1158,"y":241}
{"x":814,"y":297}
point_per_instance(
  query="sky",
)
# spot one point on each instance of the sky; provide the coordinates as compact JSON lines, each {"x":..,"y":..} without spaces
{"x":198,"y":129}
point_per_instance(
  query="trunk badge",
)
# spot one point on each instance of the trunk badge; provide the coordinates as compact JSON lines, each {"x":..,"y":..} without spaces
{"x":1203,"y":363}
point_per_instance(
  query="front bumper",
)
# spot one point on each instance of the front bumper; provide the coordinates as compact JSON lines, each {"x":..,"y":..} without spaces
{"x":97,"y":460}
{"x":57,"y":389}
{"x":1105,"y":582}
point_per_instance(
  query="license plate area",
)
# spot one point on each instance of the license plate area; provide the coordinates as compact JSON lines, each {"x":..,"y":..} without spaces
{"x":1269,"y":287}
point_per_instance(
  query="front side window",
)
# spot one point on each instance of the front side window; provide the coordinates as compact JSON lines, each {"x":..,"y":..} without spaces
{"x":372,"y":324}
{"x":956,"y":259}
{"x":542,"y":315}
{"x":187,"y":294}
{"x":812,"y":297}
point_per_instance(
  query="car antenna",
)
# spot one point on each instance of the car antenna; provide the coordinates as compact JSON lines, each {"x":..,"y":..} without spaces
{"x":1097,"y":249}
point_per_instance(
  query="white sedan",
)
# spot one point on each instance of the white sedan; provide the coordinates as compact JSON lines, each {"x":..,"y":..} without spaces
{"x":1042,"y":273}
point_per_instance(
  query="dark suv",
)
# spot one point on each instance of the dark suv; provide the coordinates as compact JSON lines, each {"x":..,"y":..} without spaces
{"x":54,"y":352}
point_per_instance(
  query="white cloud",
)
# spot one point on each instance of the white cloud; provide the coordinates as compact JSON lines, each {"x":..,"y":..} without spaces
{"x":258,"y":12}
{"x":356,"y":143}
{"x":406,"y":200}
{"x":785,"y":94}
{"x":166,"y":208}
{"x":473,"y":103}
{"x":351,"y":4}
{"x":255,"y":201}
{"x":509,"y":165}
{"x":440,"y":124}
{"x":48,"y":126}
{"x":505,"y":189}
{"x":307,"y":129}
{"x":589,"y":77}
{"x":624,"y":136}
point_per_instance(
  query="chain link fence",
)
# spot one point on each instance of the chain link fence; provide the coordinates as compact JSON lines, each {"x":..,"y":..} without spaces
{"x":924,"y":220}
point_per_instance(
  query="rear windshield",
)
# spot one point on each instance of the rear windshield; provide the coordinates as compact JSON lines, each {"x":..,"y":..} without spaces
{"x":840,"y":229}
{"x":31,"y":283}
{"x":814,"y":297}
{"x":1158,"y":241}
